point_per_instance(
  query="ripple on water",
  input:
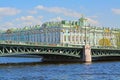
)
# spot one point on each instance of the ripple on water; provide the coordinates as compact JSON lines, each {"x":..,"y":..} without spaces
{"x":75,"y":71}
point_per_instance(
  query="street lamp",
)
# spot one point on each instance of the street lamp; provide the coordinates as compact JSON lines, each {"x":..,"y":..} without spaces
{"x":85,"y":35}
{"x":85,"y":30}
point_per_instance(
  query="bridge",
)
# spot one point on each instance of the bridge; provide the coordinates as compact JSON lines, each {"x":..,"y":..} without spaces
{"x":59,"y":53}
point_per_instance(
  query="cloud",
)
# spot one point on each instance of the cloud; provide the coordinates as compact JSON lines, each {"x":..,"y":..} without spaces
{"x":65,"y":12}
{"x":32,"y":12}
{"x":93,"y":22}
{"x":40,"y":17}
{"x":56,"y":19}
{"x":116,"y":11}
{"x":6,"y":25}
{"x":22,"y":22}
{"x":93,"y":16}
{"x":29,"y":20}
{"x":59,"y":10}
{"x":25,"y":18}
{"x":8,"y":11}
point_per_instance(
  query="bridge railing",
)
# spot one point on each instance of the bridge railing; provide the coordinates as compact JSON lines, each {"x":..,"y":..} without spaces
{"x":38,"y":44}
{"x":58,"y":45}
{"x":105,"y":47}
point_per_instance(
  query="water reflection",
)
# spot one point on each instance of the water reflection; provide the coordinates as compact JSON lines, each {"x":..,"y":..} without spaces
{"x":18,"y":60}
{"x":88,"y":63}
{"x":61,"y":71}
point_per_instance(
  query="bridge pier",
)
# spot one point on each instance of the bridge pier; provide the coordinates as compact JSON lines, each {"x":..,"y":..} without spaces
{"x":87,"y":54}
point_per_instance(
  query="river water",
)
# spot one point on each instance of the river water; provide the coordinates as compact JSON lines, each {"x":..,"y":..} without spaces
{"x":109,"y":70}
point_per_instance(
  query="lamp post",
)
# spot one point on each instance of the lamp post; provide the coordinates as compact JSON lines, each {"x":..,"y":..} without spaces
{"x":85,"y":31}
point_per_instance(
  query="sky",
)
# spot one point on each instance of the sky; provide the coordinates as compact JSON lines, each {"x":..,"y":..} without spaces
{"x":21,"y":13}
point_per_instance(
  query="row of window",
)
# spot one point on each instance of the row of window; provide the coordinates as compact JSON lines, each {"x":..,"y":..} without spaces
{"x":75,"y":38}
{"x":49,"y":37}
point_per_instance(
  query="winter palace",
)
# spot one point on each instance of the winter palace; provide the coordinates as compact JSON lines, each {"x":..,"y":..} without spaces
{"x":64,"y":33}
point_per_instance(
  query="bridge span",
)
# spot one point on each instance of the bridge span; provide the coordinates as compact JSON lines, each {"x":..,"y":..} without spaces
{"x":59,"y":53}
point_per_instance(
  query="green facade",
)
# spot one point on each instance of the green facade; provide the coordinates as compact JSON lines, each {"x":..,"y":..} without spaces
{"x":65,"y":33}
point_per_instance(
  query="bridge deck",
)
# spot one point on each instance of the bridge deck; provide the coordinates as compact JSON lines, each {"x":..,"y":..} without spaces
{"x":55,"y":52}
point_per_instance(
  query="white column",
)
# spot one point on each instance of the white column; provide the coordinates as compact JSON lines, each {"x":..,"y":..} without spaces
{"x":61,"y":37}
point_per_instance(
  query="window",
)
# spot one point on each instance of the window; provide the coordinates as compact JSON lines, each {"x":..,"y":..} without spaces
{"x":68,"y":38}
{"x":72,"y":38}
{"x":64,"y":37}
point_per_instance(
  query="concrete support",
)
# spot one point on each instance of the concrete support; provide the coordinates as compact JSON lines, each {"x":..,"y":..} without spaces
{"x":87,"y":54}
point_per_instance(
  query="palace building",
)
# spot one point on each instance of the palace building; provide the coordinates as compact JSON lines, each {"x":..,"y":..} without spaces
{"x":64,"y":33}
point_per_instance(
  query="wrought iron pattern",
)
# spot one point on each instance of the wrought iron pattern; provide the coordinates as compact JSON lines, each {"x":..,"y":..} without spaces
{"x":13,"y":49}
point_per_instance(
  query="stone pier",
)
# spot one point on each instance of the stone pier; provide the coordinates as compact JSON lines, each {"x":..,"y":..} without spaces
{"x":87,"y":54}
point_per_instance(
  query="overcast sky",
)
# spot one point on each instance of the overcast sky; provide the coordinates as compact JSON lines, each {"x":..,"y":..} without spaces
{"x":20,"y":13}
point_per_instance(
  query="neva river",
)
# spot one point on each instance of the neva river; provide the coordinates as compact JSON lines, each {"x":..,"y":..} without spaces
{"x":60,"y":71}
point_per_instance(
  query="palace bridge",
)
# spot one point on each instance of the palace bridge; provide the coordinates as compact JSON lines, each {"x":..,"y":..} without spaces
{"x":62,"y":41}
{"x":59,"y":53}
